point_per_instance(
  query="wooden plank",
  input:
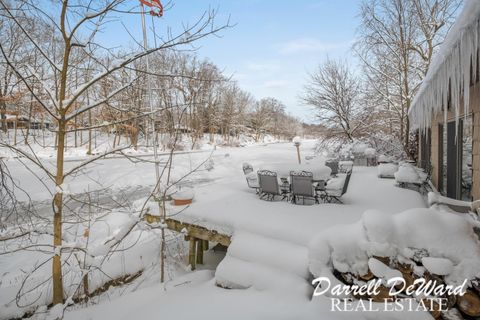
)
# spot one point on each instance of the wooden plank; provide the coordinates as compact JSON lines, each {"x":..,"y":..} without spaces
{"x":192,"y":253}
{"x":198,"y":232}
{"x":199,"y":251}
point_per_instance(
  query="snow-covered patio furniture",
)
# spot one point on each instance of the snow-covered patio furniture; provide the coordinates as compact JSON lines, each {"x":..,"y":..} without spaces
{"x":302,"y":186}
{"x":247,"y":168}
{"x":333,"y":165}
{"x":384,"y":159}
{"x":336,"y":188}
{"x":387,"y":170}
{"x":409,"y":176}
{"x":268,"y":184}
{"x":319,"y":171}
{"x":371,"y":155}
{"x":251,"y":177}
{"x":437,"y":200}
{"x":285,"y":188}
{"x":252,"y":181}
{"x":345,"y":166}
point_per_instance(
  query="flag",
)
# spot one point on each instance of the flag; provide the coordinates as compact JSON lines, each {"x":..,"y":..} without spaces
{"x":154,"y":5}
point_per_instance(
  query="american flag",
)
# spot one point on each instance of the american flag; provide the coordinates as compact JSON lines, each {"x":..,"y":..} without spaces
{"x":155,"y":5}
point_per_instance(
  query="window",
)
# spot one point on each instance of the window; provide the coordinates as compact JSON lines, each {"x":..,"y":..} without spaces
{"x":467,"y":157}
{"x":455,"y":170}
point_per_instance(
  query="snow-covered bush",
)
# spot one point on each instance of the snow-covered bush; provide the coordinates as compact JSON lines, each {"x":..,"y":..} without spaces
{"x":387,"y":170}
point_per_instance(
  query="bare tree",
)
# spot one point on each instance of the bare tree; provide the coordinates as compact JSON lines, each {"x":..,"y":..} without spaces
{"x":335,"y":93}
{"x":76,"y":24}
{"x":396,"y":44}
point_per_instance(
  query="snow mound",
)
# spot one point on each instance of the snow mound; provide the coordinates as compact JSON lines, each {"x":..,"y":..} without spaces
{"x":439,"y":266}
{"x":384,"y":158}
{"x":380,"y":270}
{"x":184,"y":194}
{"x":370,"y":151}
{"x":448,"y":242}
{"x":387,"y":170}
{"x":264,"y":263}
{"x":409,"y":174}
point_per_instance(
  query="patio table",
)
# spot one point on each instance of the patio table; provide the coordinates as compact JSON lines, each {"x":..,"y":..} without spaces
{"x":319,"y":171}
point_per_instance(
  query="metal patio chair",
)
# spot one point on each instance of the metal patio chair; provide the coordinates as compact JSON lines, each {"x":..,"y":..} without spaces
{"x":320,"y":189}
{"x":335,"y":194}
{"x":252,"y":179}
{"x":268,"y":184}
{"x":302,"y":186}
{"x":247,"y":168}
{"x":334,"y":166}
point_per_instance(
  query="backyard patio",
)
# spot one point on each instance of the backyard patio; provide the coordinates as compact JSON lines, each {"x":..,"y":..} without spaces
{"x":230,"y":203}
{"x":259,"y":224}
{"x":269,"y":250}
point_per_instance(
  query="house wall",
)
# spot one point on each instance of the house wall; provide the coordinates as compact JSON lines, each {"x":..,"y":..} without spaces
{"x":435,"y":148}
{"x":476,"y":145}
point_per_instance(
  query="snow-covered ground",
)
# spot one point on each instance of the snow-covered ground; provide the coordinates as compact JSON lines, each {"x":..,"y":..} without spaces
{"x":270,"y":239}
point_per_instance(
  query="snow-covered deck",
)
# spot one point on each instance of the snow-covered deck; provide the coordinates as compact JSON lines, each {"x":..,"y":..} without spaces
{"x":229,"y":203}
{"x":270,"y":239}
{"x":268,"y":255}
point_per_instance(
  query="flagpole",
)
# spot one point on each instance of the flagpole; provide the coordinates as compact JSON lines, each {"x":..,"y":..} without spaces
{"x":152,"y":109}
{"x":156,"y":191}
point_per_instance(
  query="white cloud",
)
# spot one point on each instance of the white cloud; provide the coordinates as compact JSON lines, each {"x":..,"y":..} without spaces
{"x":309,"y":45}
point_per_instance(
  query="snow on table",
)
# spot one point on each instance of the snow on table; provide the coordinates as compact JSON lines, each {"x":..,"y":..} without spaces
{"x":319,"y":171}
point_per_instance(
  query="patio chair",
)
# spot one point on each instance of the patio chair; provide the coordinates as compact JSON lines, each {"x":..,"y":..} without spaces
{"x":334,"y":194}
{"x":320,"y":189}
{"x":247,"y":168}
{"x":285,"y":189}
{"x":345,"y":166}
{"x":302,"y":186}
{"x":332,"y":165}
{"x":268,"y":184}
{"x":371,"y":161}
{"x":252,"y":179}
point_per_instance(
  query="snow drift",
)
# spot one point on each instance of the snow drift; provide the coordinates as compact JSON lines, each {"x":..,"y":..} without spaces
{"x":447,"y":241}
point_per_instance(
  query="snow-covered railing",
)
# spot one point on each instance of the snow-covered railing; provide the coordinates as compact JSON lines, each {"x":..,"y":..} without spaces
{"x":454,"y":204}
{"x":449,"y":72}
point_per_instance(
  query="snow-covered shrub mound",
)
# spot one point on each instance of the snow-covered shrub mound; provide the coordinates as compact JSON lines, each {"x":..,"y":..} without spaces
{"x":409,"y":174}
{"x":360,"y":148}
{"x":384,"y":158}
{"x":386,"y":170}
{"x":441,"y":243}
{"x":370,"y":152}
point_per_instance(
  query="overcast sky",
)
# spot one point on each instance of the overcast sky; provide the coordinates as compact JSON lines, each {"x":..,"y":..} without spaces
{"x":273,"y":44}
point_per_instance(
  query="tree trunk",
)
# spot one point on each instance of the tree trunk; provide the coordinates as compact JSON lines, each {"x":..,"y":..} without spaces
{"x":57,"y":218}
{"x":89,"y":152}
{"x":3,"y":116}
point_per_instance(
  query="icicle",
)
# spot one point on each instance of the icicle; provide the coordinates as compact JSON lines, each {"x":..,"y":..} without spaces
{"x":449,"y":72}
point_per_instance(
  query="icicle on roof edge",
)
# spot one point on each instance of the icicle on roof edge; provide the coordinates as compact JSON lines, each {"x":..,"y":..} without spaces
{"x":452,"y":63}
